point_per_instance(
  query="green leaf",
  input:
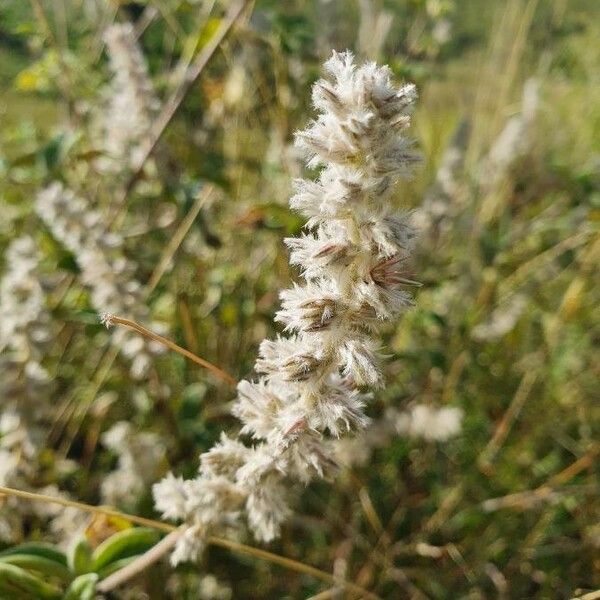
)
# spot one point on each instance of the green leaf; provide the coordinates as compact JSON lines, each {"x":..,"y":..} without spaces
{"x":48,"y":551}
{"x":82,"y":588}
{"x":68,"y":263}
{"x":53,"y":151}
{"x":18,"y":583}
{"x":42,"y":565}
{"x":80,"y":556}
{"x":123,"y":544}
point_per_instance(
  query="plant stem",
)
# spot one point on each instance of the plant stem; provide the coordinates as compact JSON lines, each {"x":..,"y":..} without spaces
{"x":109,"y":512}
{"x":113,"y":320}
{"x":179,"y":95}
{"x":178,"y":238}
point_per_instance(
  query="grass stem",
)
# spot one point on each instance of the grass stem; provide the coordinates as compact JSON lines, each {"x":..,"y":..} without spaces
{"x":109,"y":320}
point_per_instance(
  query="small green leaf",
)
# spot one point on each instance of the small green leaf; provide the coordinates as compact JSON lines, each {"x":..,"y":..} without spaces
{"x":115,"y":566}
{"x":123,"y":544}
{"x":82,"y":588}
{"x":42,"y":565}
{"x":80,"y":556}
{"x":18,"y":583}
{"x":68,"y":263}
{"x":53,"y":152}
{"x":38,"y":549}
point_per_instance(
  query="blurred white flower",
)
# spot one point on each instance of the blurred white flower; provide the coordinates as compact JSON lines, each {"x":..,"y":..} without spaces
{"x":419,"y":421}
{"x":430,"y":423}
{"x":141,"y":458}
{"x":502,"y":320}
{"x":132,"y":104}
{"x":105,"y":271}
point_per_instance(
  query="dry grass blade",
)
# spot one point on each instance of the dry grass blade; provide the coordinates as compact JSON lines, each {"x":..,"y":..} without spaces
{"x":233,"y":15}
{"x":177,"y":238}
{"x":109,"y":320}
{"x":491,"y":450}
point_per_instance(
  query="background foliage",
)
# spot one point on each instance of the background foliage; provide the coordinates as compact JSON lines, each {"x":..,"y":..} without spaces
{"x":505,"y":326}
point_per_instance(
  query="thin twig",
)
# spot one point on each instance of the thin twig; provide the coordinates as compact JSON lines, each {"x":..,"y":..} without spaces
{"x":178,"y":237}
{"x":109,"y":320}
{"x":532,"y":498}
{"x":215,"y":541}
{"x":369,"y":510}
{"x":139,"y":564}
{"x":550,"y":488}
{"x":291,"y":564}
{"x":100,"y":510}
{"x":179,"y":95}
{"x":489,"y":453}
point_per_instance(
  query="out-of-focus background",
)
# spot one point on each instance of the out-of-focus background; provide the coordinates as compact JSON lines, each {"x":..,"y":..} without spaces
{"x":478,"y":476}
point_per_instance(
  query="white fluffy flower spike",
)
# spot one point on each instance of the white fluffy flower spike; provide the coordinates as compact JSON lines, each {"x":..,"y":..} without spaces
{"x":311,"y":384}
{"x":132,"y":104}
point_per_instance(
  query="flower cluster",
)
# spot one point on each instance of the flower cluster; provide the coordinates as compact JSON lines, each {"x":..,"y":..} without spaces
{"x":141,"y":456}
{"x":515,"y":139}
{"x":25,"y":334}
{"x":132,"y":103}
{"x":312,"y":382}
{"x":419,"y":421}
{"x":24,"y":331}
{"x":109,"y":276}
{"x":24,"y":319}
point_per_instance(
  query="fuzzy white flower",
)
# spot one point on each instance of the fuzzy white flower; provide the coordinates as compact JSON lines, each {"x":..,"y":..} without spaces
{"x":353,"y":262}
{"x":25,"y":335}
{"x":418,"y":421}
{"x":502,"y":320}
{"x":109,"y":276}
{"x":132,"y":103}
{"x":430,"y":423}
{"x":514,"y":140}
{"x":24,"y":319}
{"x":141,"y":455}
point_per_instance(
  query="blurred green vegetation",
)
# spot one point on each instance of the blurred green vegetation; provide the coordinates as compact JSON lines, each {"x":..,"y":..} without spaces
{"x":416,"y":521}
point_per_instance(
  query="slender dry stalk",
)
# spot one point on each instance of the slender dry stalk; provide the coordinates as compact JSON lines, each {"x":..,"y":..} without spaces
{"x":99,"y":510}
{"x":172,"y":105}
{"x":178,"y":237}
{"x":109,"y":320}
{"x":489,"y":453}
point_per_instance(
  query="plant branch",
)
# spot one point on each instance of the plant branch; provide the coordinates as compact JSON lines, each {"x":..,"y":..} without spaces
{"x":109,"y":320}
{"x":100,"y":510}
{"x":178,"y":238}
{"x":179,"y":95}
